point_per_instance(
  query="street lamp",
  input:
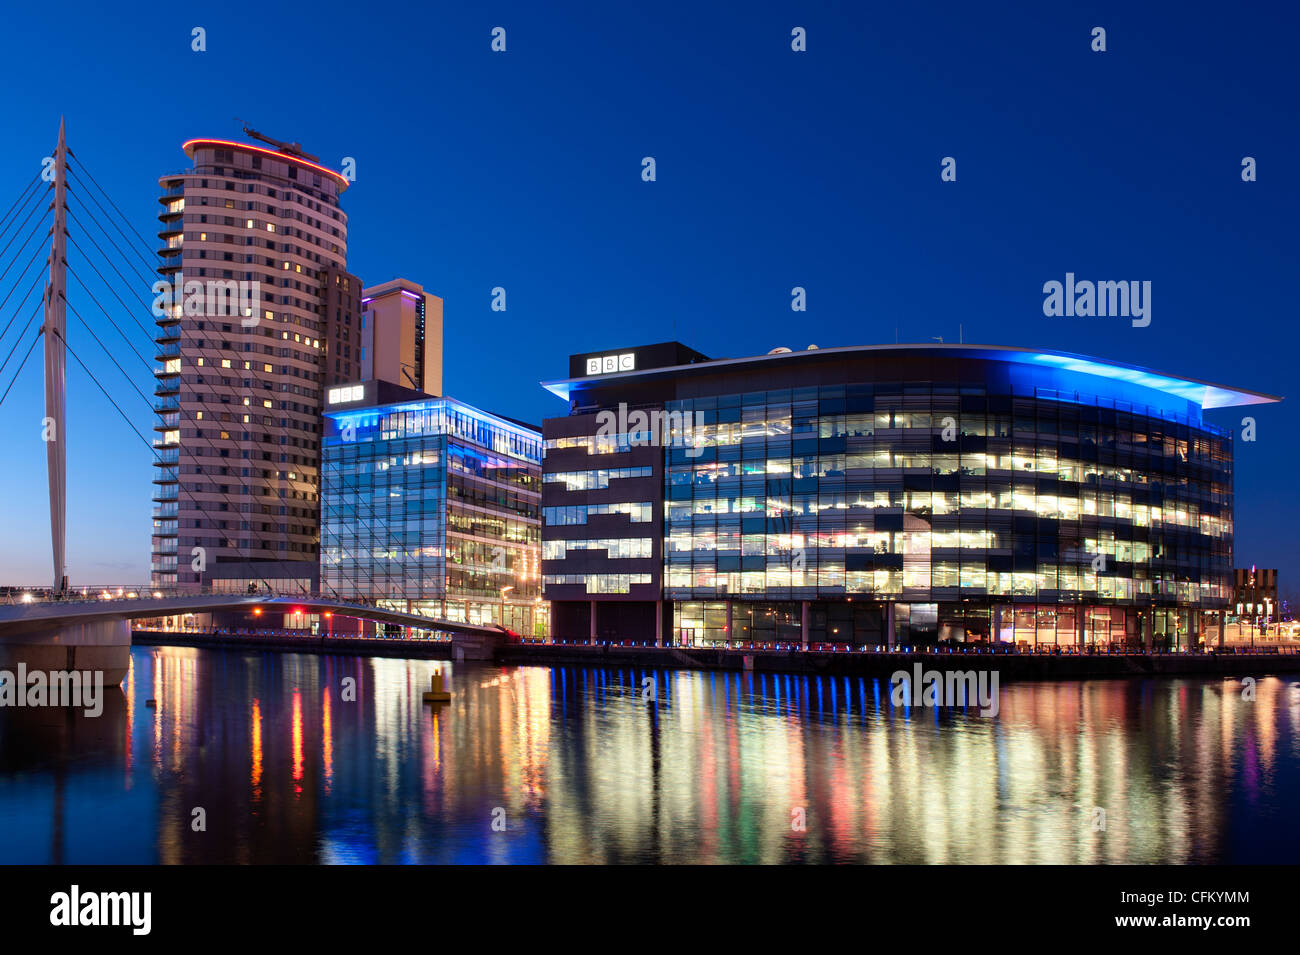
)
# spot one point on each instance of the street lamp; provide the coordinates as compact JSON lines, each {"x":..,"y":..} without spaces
{"x":502,"y":619}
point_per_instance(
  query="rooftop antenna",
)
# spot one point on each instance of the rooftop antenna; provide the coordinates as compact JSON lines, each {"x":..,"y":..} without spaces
{"x":293,"y":149}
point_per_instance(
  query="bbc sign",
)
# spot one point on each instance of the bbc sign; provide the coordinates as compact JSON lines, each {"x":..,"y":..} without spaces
{"x":338,"y":396}
{"x":606,"y":364}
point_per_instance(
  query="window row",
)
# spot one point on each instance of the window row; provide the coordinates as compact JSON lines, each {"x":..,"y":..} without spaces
{"x":597,"y":583}
{"x":638,"y":512}
{"x":596,"y":478}
{"x":616,"y":548}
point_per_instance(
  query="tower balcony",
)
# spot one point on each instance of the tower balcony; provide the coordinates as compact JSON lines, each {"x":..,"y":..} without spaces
{"x":166,"y":493}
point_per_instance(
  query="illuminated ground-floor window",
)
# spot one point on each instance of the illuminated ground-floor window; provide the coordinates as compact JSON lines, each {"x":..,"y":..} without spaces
{"x":1027,"y":626}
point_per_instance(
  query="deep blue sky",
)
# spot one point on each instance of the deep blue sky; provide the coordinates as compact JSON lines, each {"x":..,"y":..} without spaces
{"x":775,"y":169}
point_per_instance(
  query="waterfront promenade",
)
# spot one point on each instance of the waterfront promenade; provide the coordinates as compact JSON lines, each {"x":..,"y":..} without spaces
{"x":1012,"y":664}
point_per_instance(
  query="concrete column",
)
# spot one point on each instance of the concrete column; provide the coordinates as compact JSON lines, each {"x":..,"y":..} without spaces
{"x":731,"y":633}
{"x":996,"y":636}
{"x":1223,"y":622}
{"x":103,"y":645}
{"x":1148,"y":629}
{"x":889,"y":624}
{"x":592,"y":638}
{"x":1079,"y":626}
{"x":659,"y":623}
{"x":803,"y":624}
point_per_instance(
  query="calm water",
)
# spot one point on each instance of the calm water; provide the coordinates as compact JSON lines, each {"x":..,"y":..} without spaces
{"x":585,"y":770}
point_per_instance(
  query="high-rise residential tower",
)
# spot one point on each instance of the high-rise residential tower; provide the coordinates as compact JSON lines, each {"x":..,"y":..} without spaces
{"x":257,"y":314}
{"x":401,"y":337}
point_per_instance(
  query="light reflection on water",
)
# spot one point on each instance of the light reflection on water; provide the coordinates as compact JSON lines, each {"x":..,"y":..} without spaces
{"x":580,"y":767}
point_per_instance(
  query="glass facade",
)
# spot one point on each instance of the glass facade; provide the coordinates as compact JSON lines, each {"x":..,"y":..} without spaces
{"x":973,"y":512}
{"x":888,"y":494}
{"x":435,"y":507}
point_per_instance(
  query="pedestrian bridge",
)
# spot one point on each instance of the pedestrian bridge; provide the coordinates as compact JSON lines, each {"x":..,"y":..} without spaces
{"x":96,"y":634}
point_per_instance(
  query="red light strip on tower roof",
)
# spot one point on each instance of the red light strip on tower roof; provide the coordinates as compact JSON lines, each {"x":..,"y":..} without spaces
{"x":338,"y":177}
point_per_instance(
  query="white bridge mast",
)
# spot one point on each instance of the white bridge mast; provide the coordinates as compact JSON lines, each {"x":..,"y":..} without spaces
{"x":53,"y":430}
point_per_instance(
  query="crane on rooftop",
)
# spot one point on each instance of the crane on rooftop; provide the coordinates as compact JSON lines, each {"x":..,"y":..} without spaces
{"x":293,"y":149}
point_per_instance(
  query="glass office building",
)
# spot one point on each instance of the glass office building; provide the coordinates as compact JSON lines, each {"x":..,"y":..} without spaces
{"x":889,"y":495}
{"x":431,"y":506}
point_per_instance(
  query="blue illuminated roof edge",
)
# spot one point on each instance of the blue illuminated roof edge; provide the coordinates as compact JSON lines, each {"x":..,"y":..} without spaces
{"x":1204,"y":393}
{"x":414,"y":403}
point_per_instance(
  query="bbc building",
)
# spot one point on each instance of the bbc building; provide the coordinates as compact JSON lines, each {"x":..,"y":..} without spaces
{"x":899,"y":495}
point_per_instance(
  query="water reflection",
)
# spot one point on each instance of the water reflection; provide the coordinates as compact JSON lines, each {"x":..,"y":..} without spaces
{"x":291,"y":765}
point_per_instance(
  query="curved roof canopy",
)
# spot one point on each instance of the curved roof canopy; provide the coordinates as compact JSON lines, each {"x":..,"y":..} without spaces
{"x":1203,"y":393}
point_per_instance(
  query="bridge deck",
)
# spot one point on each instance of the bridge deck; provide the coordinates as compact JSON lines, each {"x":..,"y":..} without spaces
{"x":21,"y":619}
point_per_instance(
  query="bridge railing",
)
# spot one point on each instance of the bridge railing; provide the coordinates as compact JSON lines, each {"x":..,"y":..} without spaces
{"x":82,"y":594}
{"x":306,"y":636}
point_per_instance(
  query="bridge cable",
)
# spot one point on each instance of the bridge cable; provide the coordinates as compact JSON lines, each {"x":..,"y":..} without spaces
{"x":35,"y":206}
{"x":213,"y":522}
{"x":36,"y":250}
{"x":126,"y":281}
{"x":245,"y":548}
{"x":18,"y":306}
{"x":109,"y":353}
{"x":22,"y":199}
{"x":19,"y":369}
{"x":147,"y":444}
{"x":137,"y":354}
{"x":199,"y":506}
{"x":144,"y":280}
{"x":82,"y":166}
{"x":157,"y":451}
{"x":152,"y":266}
{"x":39,"y":305}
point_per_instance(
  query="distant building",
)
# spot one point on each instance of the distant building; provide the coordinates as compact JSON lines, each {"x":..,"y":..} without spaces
{"x":1254,"y":594}
{"x":341,"y":308}
{"x":401,"y":336}
{"x":432,"y":506}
